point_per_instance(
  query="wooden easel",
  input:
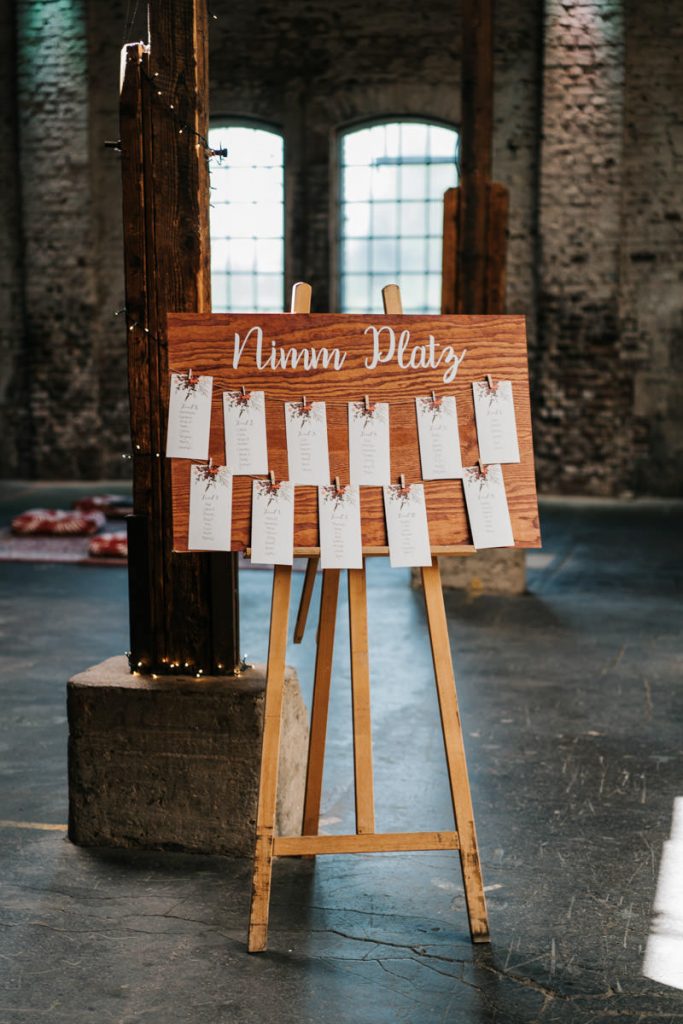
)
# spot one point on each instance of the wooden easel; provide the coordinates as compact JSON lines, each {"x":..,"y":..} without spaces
{"x":365,"y":839}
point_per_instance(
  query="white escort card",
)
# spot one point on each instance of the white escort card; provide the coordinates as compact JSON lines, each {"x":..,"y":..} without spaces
{"x":189,"y":417}
{"x":369,"y":443}
{"x":307,"y":453}
{"x":244,"y":419}
{"x":210,"y":508}
{"x":272,"y":522}
{"x":494,"y":410}
{"x":407,"y":527}
{"x":341,"y":545}
{"x":437,"y":430}
{"x":487,"y":507}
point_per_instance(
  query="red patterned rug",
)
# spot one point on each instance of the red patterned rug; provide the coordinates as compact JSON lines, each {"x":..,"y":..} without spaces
{"x":74,"y":550}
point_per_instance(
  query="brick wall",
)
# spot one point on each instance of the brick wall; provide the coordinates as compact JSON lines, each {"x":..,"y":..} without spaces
{"x":587,"y":136}
{"x":14,"y":424}
{"x":68,"y":385}
{"x":651,"y":270}
{"x":608,"y":386}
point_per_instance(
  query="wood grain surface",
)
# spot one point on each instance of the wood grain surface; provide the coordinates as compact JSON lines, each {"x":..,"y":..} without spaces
{"x":495,"y":345}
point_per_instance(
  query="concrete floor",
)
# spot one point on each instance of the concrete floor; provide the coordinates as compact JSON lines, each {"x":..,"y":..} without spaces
{"x":572,"y":704}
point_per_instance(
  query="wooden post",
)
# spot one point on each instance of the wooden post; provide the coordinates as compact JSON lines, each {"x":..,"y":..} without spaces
{"x":476,"y":213}
{"x":476,"y":144}
{"x":272,"y":725}
{"x":360,"y":701}
{"x":188,"y":604}
{"x":455,"y":753}
{"x":321,"y":700}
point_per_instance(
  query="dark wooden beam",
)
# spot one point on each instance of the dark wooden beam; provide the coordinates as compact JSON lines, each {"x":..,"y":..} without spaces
{"x":476,"y":145}
{"x":192,"y":615}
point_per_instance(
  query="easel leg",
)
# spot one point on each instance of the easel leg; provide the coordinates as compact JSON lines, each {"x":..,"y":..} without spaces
{"x":305,"y":599}
{"x":360,"y":692}
{"x":321,"y":699}
{"x":272,"y":719}
{"x":455,"y":753}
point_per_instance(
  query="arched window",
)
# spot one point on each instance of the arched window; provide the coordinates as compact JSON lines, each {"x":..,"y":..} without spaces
{"x":247,"y":221}
{"x":393,"y":177}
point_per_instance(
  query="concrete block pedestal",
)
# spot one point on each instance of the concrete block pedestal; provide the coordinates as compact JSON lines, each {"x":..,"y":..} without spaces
{"x":494,"y":571}
{"x":173,"y":762}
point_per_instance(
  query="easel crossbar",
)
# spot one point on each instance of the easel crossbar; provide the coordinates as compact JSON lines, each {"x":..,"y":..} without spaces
{"x":388,"y":842}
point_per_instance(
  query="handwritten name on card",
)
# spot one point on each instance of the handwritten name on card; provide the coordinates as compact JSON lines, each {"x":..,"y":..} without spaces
{"x":341,"y":545}
{"x":494,"y":410}
{"x":369,"y":443}
{"x":487,"y":507}
{"x":307,"y":452}
{"x":210,"y":508}
{"x":189,"y":417}
{"x":244,"y":419}
{"x":272,"y":523}
{"x":407,"y":526}
{"x":439,"y":438}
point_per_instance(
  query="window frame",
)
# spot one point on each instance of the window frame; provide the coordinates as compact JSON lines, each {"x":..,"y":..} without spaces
{"x":337,"y":179}
{"x":227,"y":121}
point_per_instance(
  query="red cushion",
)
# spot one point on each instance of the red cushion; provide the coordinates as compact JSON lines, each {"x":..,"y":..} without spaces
{"x":115,"y":506}
{"x":109,"y":545}
{"x":57,"y":522}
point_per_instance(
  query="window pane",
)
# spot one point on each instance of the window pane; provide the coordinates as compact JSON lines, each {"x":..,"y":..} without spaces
{"x":385,"y":182}
{"x":356,"y":220}
{"x":434,"y":291}
{"x":392,"y":178}
{"x":356,"y":256}
{"x":442,"y":142}
{"x":412,"y":254}
{"x":413,"y":219}
{"x":269,"y":255}
{"x":385,"y":218}
{"x":442,"y":176}
{"x":412,"y":290}
{"x":414,"y":139}
{"x":247,"y":220}
{"x":357,"y":183}
{"x":413,"y":181}
{"x":355,"y":291}
{"x":383,"y":255}
{"x":434,"y":254}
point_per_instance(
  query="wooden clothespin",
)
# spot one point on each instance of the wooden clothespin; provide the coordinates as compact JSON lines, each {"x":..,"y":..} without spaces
{"x":337,"y":485}
{"x":244,"y":391}
{"x":210,"y":462}
{"x":304,"y":403}
{"x":402,"y":481}
{"x":271,"y":474}
{"x":489,"y":382}
{"x":189,"y":374}
{"x":367,"y":403}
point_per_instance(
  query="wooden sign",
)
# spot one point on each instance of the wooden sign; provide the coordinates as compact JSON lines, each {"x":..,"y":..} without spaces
{"x":339,"y":359}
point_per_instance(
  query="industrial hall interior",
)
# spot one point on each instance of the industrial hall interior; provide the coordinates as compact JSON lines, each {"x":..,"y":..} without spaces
{"x":341,"y":512}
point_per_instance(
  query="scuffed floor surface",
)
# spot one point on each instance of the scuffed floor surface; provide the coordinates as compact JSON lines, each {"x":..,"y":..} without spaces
{"x":572,"y":707}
